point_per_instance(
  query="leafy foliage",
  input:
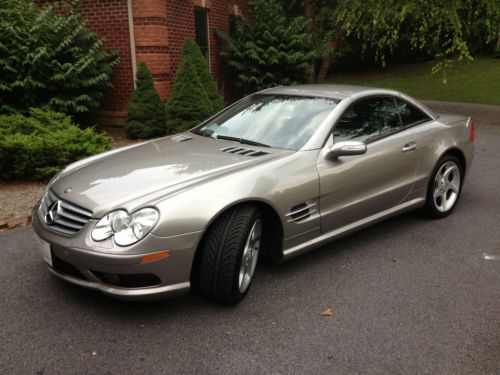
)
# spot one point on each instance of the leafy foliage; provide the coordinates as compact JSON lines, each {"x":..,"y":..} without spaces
{"x":189,"y":103}
{"x":146,"y":111}
{"x":50,"y":59}
{"x":441,"y":29}
{"x":190,"y":48}
{"x":39,"y":145}
{"x":269,"y":49}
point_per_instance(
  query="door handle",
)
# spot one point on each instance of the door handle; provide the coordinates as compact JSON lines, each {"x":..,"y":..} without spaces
{"x":409,"y":147}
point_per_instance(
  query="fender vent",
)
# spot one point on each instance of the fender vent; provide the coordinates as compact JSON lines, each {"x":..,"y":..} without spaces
{"x":181,"y":138}
{"x":301,"y":211}
{"x":243,"y":151}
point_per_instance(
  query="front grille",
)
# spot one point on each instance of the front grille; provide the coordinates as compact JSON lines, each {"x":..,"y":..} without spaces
{"x":67,"y":218}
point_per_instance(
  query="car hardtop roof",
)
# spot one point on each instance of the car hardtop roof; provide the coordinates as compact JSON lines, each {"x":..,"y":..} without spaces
{"x":327,"y":91}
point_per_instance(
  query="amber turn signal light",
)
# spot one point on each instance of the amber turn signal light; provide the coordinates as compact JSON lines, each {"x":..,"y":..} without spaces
{"x":155,"y":256}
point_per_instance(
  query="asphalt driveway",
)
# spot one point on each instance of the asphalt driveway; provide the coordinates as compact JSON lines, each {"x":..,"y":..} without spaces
{"x":408,"y":296}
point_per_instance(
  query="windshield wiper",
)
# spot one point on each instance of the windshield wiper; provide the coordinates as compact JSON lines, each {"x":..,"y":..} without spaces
{"x":242,"y":140}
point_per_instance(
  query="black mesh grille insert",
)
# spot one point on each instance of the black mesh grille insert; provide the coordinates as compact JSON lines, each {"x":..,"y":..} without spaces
{"x":134,"y":280}
{"x":66,"y":268}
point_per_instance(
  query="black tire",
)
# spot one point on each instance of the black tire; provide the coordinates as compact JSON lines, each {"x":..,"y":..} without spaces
{"x":430,"y":209}
{"x":221,"y":255}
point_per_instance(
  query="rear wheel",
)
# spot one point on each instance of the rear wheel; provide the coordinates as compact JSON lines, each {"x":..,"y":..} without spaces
{"x":444,"y":187}
{"x":229,"y":254}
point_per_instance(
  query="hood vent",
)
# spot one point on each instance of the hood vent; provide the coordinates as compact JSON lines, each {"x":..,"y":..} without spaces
{"x":301,"y":211}
{"x":181,"y":138}
{"x":243,"y":151}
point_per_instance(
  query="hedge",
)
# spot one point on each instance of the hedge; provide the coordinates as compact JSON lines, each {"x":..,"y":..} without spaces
{"x":37,"y":146}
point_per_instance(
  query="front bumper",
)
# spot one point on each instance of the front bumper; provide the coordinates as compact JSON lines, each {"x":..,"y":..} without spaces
{"x":118,"y":271}
{"x":128,"y":294}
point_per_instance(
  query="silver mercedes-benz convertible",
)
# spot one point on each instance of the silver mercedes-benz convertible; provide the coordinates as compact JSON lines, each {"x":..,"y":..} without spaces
{"x":276,"y":174}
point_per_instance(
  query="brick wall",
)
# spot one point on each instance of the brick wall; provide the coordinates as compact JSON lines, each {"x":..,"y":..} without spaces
{"x":152,"y":41}
{"x":160,"y":27}
{"x":109,"y":18}
{"x":180,"y":23}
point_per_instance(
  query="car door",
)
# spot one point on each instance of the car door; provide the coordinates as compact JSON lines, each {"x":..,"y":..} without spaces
{"x":355,"y":187}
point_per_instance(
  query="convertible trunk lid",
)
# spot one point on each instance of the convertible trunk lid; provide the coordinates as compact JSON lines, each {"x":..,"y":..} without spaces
{"x":141,"y":174}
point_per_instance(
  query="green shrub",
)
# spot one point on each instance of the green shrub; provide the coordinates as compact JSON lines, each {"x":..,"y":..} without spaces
{"x":191,"y":49}
{"x":38,"y":145}
{"x":146,"y":111}
{"x":188,"y":104}
{"x":50,"y":59}
{"x":268,"y":49}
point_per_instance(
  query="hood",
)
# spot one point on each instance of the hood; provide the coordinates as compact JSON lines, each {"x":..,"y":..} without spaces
{"x":143,"y":174}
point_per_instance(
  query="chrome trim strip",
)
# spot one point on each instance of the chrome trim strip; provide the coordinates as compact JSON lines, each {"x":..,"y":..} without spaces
{"x":304,"y":215}
{"x":307,"y":207}
{"x":68,"y":224}
{"x":70,"y":207}
{"x":67,"y":214}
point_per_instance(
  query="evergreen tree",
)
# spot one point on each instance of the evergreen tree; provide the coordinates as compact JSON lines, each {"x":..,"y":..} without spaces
{"x":269,"y":50}
{"x":189,"y":103}
{"x":146,"y":111}
{"x":191,"y":49}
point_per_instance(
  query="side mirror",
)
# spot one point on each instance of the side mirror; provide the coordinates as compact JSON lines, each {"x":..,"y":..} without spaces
{"x":347,"y":148}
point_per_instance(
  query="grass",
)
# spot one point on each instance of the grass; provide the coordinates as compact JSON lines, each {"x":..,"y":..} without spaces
{"x":477,"y":81}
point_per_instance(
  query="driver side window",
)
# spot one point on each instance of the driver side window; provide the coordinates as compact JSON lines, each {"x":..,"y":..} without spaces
{"x":367,"y":120}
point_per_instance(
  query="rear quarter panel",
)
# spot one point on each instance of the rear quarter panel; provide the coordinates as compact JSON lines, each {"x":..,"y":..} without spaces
{"x":435,"y":138}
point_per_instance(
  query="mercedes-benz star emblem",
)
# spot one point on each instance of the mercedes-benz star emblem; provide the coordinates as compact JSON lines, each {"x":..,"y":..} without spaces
{"x":51,"y":214}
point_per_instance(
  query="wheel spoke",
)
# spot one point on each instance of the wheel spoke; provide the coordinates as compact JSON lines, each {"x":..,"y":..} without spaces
{"x":250,"y":255}
{"x":453,"y":185}
{"x":437,"y":192}
{"x":449,"y":171}
{"x":443,"y":199}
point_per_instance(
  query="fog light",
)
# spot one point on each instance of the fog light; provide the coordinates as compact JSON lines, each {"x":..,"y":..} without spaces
{"x":111,"y":278}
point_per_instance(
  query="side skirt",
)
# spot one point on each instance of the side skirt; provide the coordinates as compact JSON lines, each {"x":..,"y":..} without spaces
{"x":350,"y":228}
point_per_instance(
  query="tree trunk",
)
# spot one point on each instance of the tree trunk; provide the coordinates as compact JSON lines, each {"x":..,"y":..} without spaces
{"x":310,"y":13}
{"x":327,"y":60}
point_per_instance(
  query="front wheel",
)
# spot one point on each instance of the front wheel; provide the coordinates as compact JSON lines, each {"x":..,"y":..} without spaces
{"x":229,"y":254}
{"x":444,"y":187}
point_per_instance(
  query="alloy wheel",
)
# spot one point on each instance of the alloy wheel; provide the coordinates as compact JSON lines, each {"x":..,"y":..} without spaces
{"x":446,"y":186}
{"x":250,"y":256}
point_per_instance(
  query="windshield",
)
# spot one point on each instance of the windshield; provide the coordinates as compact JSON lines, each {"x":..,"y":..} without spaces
{"x":279,"y":121}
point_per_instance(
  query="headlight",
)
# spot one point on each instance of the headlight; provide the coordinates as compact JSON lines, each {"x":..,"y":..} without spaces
{"x":126,"y":229}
